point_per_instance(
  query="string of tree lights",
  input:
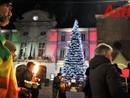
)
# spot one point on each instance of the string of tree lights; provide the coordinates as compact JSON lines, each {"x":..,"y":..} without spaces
{"x":74,"y":63}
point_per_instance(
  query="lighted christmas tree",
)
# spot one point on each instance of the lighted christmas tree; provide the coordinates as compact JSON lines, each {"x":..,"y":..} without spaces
{"x":74,"y":63}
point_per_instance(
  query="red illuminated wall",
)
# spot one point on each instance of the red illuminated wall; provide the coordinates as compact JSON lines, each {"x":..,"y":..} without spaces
{"x":51,"y":48}
{"x":53,"y":36}
{"x":51,"y":51}
{"x":92,"y":42}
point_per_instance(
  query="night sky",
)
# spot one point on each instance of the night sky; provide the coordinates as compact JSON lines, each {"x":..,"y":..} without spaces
{"x":65,"y":11}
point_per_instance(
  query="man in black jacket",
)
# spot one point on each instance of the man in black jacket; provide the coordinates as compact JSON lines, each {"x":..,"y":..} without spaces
{"x":87,"y":89}
{"x":105,"y":81}
{"x":27,"y":75}
{"x":56,"y":86}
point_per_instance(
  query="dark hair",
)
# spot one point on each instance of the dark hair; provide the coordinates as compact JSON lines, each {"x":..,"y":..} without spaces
{"x":10,"y":45}
{"x":59,"y":74}
{"x":29,"y":64}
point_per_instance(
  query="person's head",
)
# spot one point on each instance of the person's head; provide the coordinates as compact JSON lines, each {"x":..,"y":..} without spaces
{"x":105,"y":50}
{"x":30,"y":66}
{"x":5,"y":12}
{"x":59,"y":75}
{"x":62,"y":79}
{"x":11,"y":46}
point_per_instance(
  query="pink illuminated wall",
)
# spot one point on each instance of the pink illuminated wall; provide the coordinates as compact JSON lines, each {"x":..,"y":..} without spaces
{"x":92,"y":42}
{"x":93,"y":36}
{"x":51,"y":51}
{"x":53,"y":36}
{"x":51,"y":48}
{"x":91,"y":50}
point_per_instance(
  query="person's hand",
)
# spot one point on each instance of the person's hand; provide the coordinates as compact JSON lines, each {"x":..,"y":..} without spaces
{"x":22,"y":89}
{"x":25,"y":92}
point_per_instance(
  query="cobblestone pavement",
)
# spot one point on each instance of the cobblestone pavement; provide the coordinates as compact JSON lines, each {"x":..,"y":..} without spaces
{"x":45,"y":91}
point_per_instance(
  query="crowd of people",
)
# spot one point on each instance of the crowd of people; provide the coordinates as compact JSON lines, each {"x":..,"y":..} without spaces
{"x":103,"y":77}
{"x":25,"y":75}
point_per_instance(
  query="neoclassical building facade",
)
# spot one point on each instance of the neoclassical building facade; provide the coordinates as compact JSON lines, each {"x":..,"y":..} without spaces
{"x":36,"y":38}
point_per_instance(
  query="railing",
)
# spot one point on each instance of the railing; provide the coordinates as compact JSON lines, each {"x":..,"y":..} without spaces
{"x":42,"y":59}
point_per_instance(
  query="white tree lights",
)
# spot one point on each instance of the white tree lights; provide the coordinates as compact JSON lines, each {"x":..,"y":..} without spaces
{"x":74,"y":63}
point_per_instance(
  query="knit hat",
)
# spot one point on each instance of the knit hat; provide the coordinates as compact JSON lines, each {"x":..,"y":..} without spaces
{"x":11,"y":46}
{"x":5,"y":1}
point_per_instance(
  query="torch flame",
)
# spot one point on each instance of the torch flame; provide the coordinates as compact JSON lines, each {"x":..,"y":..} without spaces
{"x":36,"y":68}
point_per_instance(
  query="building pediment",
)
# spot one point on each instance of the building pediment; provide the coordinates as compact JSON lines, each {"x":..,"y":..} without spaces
{"x":36,"y":18}
{"x":42,"y":15}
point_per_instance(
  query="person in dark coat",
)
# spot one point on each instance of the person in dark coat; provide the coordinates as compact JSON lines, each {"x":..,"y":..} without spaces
{"x":128,"y":66}
{"x":56,"y":85}
{"x":87,"y":89}
{"x":105,"y":81}
{"x":118,"y":69}
{"x":27,"y":75}
{"x":62,"y":88}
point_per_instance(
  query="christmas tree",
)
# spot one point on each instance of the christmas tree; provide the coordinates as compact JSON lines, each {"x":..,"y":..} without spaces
{"x":74,"y":63}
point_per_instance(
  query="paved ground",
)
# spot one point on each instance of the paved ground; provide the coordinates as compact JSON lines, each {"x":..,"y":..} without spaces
{"x":45,"y":92}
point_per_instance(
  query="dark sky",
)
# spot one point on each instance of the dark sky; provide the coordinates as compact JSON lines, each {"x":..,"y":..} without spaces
{"x":65,"y":11}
